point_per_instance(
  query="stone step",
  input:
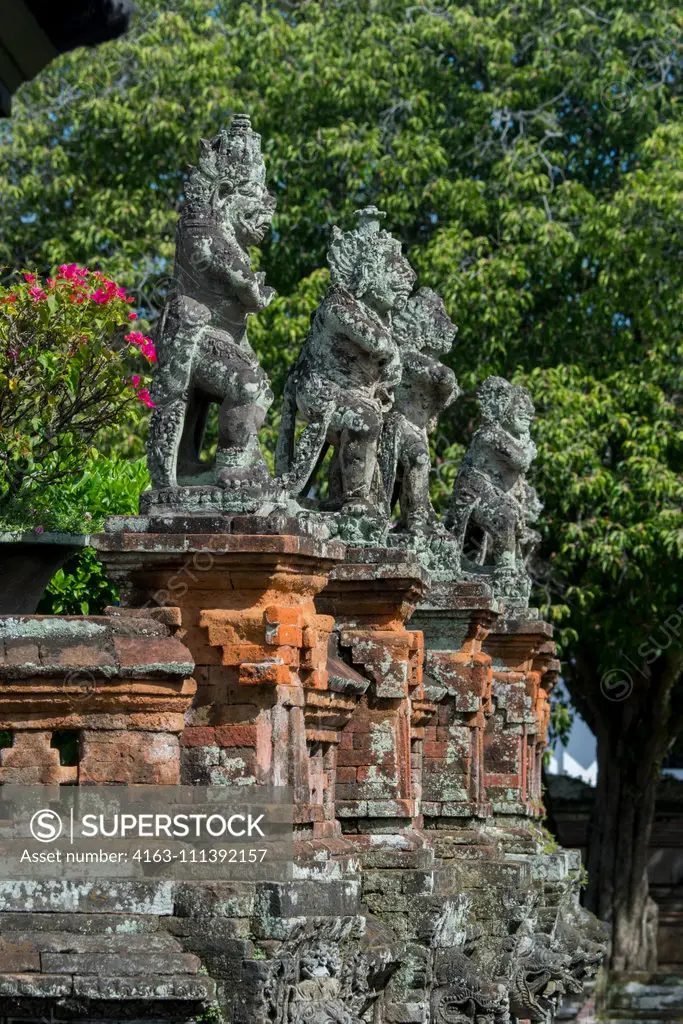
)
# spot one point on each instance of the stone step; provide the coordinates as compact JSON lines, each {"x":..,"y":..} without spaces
{"x":643,"y":998}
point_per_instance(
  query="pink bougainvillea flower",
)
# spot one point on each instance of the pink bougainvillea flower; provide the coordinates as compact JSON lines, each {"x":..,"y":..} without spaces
{"x":143,"y":395}
{"x":39,"y":529}
{"x":37,"y":293}
{"x":88,"y":515}
{"x":50,"y":282}
{"x":72,"y":272}
{"x":135,"y":380}
{"x":30,"y":278}
{"x":10,"y":298}
{"x":145,"y":344}
{"x":131,"y":316}
{"x":106,"y":293}
{"x":76,"y":298}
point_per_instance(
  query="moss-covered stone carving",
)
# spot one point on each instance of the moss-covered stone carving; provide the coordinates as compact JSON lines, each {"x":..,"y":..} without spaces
{"x":204,"y":355}
{"x":492,"y":507}
{"x":342,"y":384}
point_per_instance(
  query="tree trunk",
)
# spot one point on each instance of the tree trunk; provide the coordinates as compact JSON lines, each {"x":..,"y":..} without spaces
{"x":618,"y":844}
{"x":633,"y":736}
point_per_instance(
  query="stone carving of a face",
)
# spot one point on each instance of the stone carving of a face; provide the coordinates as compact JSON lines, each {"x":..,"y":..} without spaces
{"x":520,"y":414}
{"x":423,"y":325}
{"x":389,"y":285}
{"x":249,"y":210}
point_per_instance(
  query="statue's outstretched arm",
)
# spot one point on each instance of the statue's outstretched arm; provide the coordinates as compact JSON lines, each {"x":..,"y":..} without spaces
{"x":447,"y":385}
{"x":506,"y":447}
{"x":230,"y":267}
{"x":370,"y":336}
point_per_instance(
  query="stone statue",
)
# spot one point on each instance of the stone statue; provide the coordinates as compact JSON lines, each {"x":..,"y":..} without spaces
{"x":343,"y":381}
{"x":462,"y":995}
{"x":537,"y":973}
{"x":491,"y":492}
{"x":583,"y":937}
{"x":330,"y":973}
{"x":423,"y":332}
{"x":203,"y":352}
{"x":318,"y":998}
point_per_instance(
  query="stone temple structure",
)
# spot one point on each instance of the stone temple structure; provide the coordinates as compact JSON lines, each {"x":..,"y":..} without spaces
{"x":287,"y":632}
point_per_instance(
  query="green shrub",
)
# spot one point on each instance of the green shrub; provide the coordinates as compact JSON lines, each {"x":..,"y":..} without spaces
{"x":108,"y":486}
{"x":66,"y":374}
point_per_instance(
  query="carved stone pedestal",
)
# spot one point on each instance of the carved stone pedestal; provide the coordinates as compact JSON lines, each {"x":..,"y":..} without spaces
{"x":263,"y":712}
{"x":455,"y":619}
{"x":524,"y":672}
{"x":370,"y":596}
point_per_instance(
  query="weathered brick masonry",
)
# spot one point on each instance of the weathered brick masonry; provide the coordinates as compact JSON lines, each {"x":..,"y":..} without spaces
{"x":119,"y":685}
{"x":421,"y":888}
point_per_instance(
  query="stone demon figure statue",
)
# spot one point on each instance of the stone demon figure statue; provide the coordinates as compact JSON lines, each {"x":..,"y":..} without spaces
{"x":462,"y":995}
{"x":424,"y":333}
{"x":203,"y":352}
{"x":342,"y":383}
{"x":537,"y":972}
{"x":491,"y":492}
{"x":583,"y":937}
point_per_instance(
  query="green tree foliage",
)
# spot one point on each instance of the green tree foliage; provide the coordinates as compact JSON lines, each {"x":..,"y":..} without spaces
{"x":529,"y":155}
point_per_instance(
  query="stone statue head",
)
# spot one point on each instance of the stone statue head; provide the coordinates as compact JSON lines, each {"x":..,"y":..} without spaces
{"x":508,"y":404}
{"x":462,"y":994}
{"x":369,"y":263}
{"x":423,"y":325}
{"x":229,"y":183}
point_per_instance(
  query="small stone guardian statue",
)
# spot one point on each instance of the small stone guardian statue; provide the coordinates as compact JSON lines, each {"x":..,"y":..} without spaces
{"x":203,"y":351}
{"x":491,"y":491}
{"x":424,"y":333}
{"x":343,"y":381}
